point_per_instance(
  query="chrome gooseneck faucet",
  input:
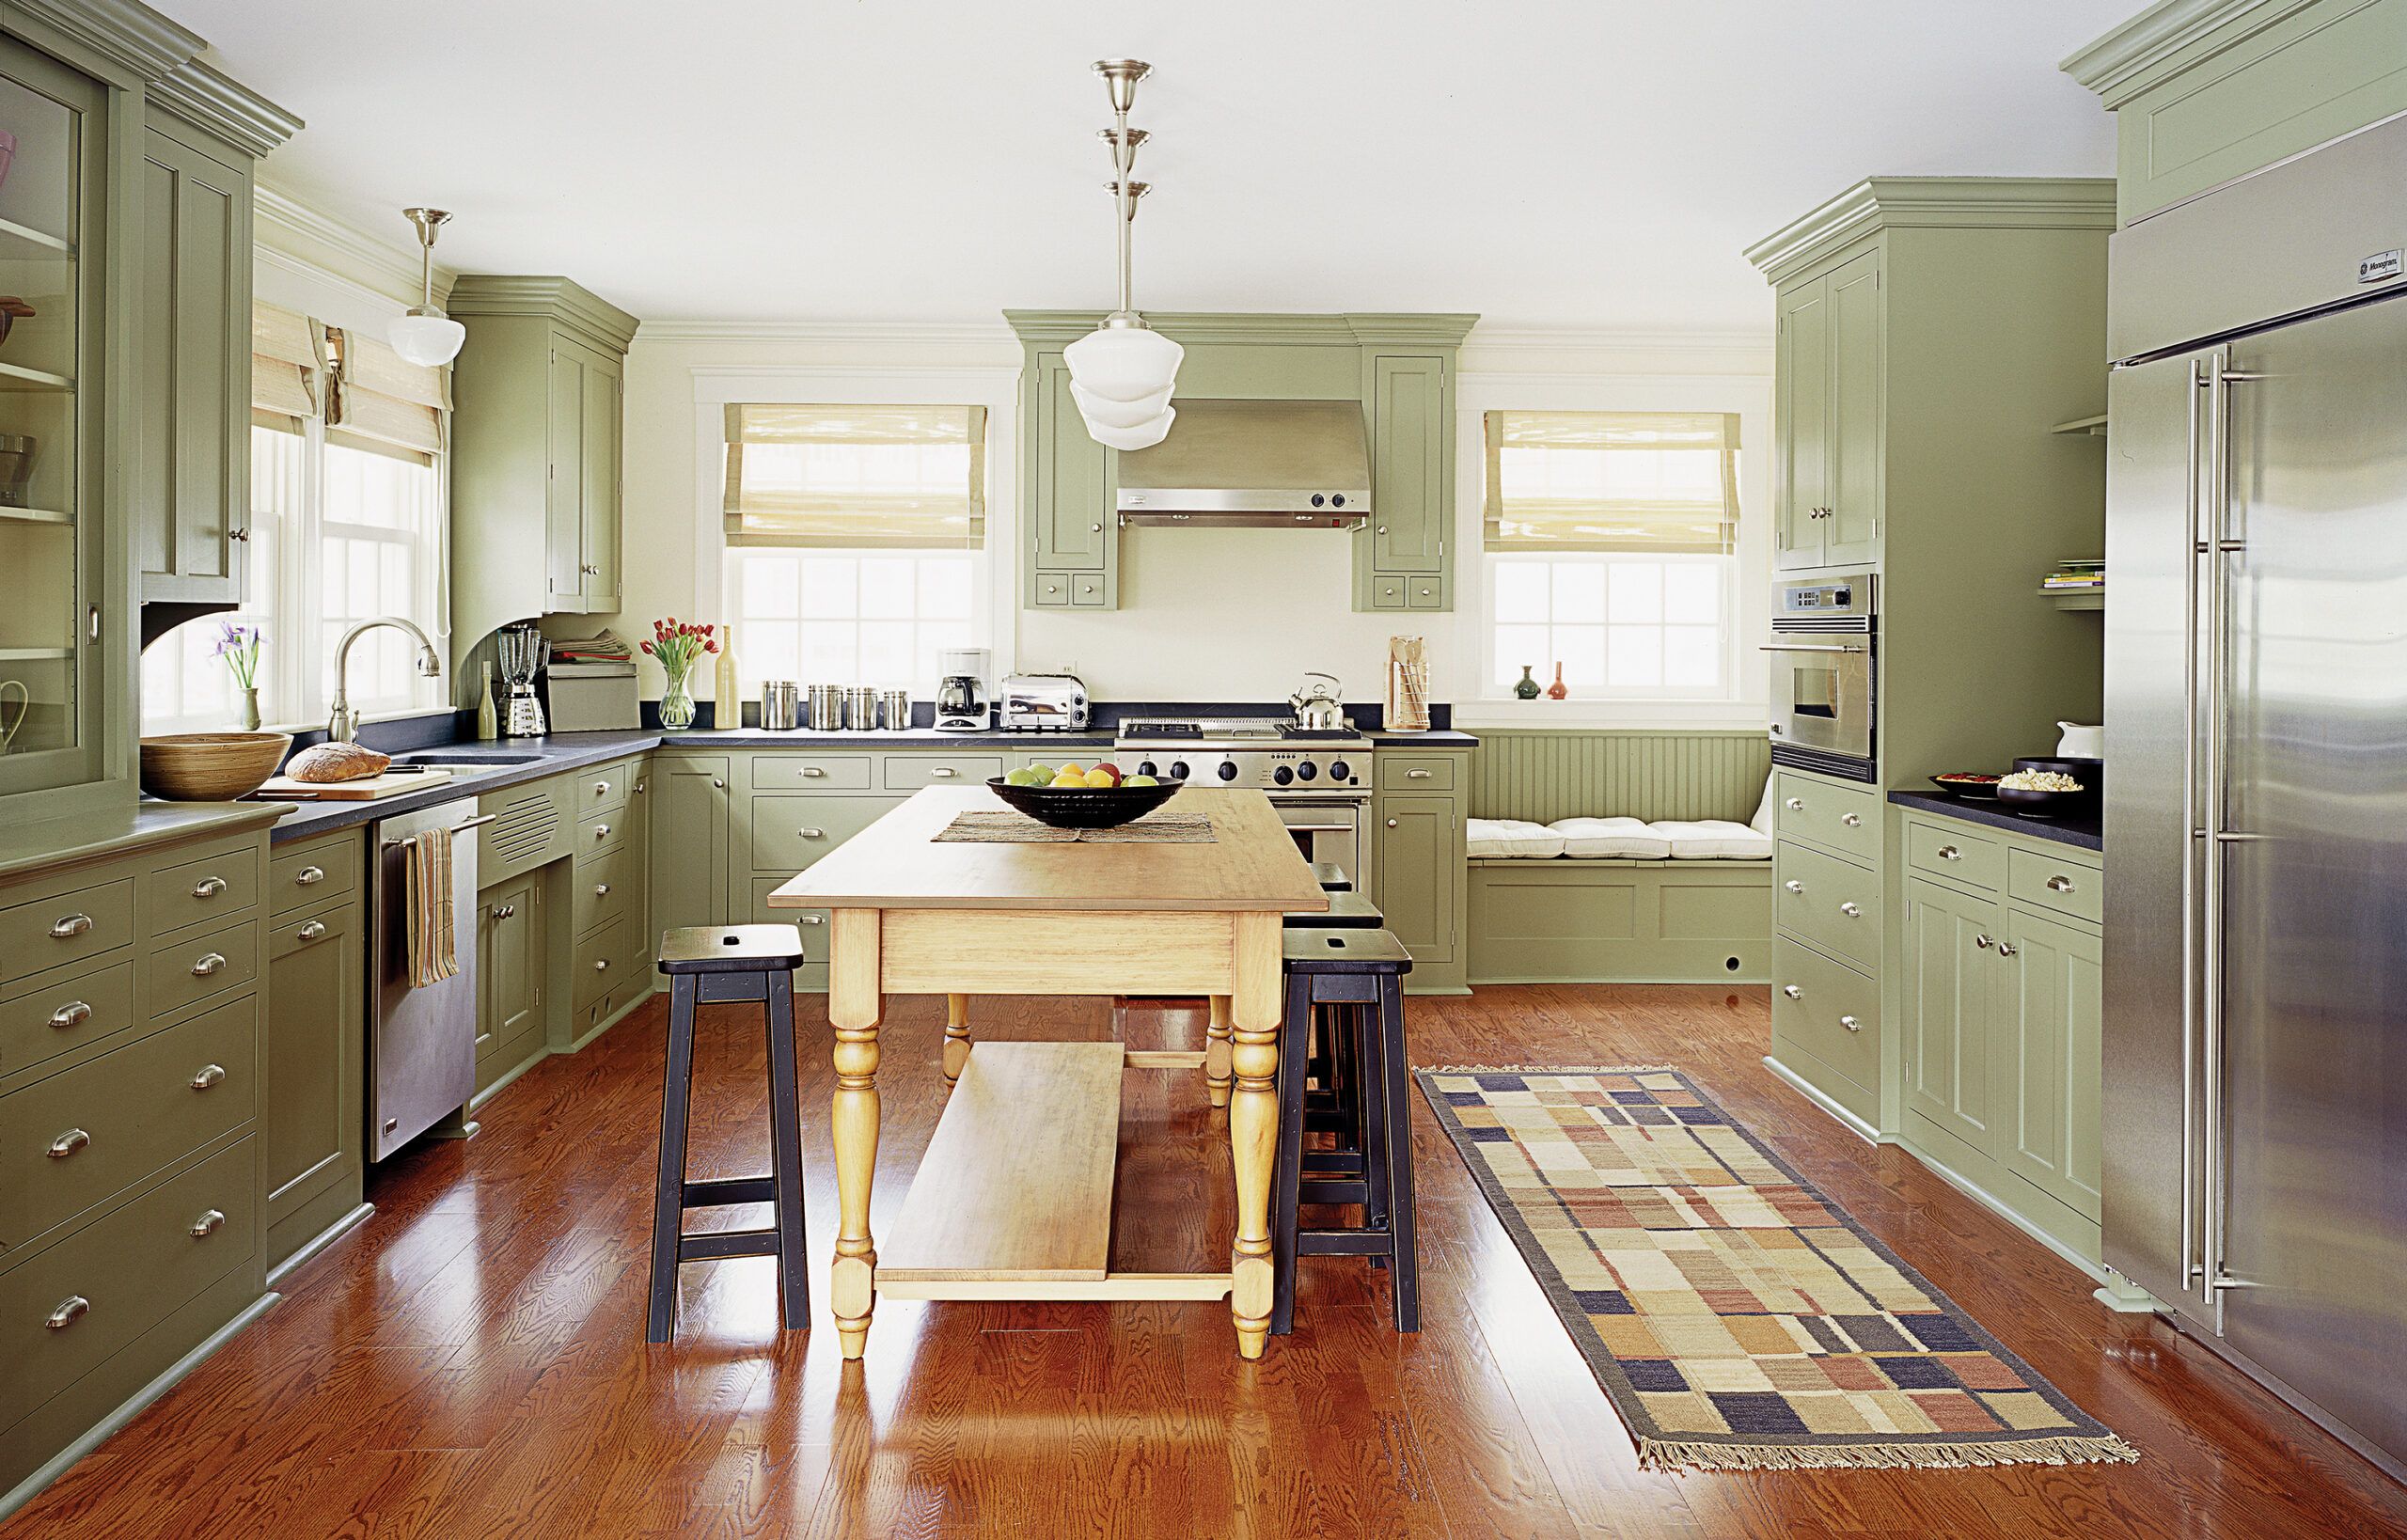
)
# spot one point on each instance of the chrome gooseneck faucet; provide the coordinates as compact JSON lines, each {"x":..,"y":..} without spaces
{"x":342,"y":723}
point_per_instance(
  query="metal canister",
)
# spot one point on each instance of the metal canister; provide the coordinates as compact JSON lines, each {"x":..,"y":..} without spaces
{"x":894,"y":710}
{"x":827,"y":703}
{"x":861,"y":708}
{"x":780,"y":705}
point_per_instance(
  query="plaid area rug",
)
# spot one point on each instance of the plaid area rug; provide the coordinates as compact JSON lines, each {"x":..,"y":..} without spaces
{"x":1738,"y":1318}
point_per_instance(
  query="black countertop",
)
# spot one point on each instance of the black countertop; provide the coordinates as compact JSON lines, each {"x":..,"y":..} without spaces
{"x":2083,"y":831}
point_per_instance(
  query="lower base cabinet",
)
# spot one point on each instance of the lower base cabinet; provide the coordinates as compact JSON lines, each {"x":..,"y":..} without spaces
{"x":313,"y":1146}
{"x":689,"y":838}
{"x":510,"y":977}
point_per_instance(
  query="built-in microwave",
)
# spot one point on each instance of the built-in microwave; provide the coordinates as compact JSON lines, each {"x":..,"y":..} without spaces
{"x":1825,"y":678}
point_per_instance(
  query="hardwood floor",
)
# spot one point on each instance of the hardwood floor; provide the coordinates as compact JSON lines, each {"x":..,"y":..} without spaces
{"x":471,"y":1361}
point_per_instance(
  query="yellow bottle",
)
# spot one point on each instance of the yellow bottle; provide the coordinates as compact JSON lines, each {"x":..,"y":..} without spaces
{"x":726,"y":693}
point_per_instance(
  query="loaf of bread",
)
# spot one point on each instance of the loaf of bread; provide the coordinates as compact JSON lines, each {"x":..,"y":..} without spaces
{"x":336,"y":761}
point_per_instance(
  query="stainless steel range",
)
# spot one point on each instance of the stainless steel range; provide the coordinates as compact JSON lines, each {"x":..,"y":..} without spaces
{"x":1320,"y":781}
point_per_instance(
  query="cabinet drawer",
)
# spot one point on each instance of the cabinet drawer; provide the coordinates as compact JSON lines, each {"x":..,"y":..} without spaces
{"x":1425,"y":593}
{"x":116,"y":1119}
{"x":1052,"y":587}
{"x":41,"y":935}
{"x":604,"y":960}
{"x":1839,"y":818}
{"x":1833,"y":903}
{"x":48,"y":1021}
{"x":307,"y":928}
{"x":182,"y":972}
{"x":1958,"y":857}
{"x":310,"y":875}
{"x":910,"y":772}
{"x":1415,"y":771}
{"x":1828,"y":1009}
{"x":601,"y":831}
{"x":811,"y":922}
{"x":2066,"y":887}
{"x":598,"y":791}
{"x":602,"y":880}
{"x":811,"y":772}
{"x":790,"y":832}
{"x":1387,"y":593}
{"x":1086,"y":589}
{"x":130,"y":1271}
{"x":198,"y":891}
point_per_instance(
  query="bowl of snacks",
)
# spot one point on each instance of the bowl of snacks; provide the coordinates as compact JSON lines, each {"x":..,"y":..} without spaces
{"x":1078,"y":797}
{"x":1968,"y":785}
{"x":2043,"y":793}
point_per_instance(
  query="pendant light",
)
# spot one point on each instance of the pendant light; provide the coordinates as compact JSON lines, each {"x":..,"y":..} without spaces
{"x":423,"y":334}
{"x":1122,"y":372}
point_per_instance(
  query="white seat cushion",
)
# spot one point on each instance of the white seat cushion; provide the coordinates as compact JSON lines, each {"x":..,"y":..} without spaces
{"x":1510,"y":836}
{"x":1609,"y":838}
{"x":1713,"y":840}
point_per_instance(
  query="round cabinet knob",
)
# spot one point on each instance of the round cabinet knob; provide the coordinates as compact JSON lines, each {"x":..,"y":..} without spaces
{"x":600,"y":965}
{"x":1792,"y":992}
{"x":601,"y":831}
{"x":1178,"y":769}
{"x":1307,"y":771}
{"x":503,"y":911}
{"x":1094,"y":528}
{"x":1392,"y":823}
{"x":1340,"y":770}
{"x":1228,"y":770}
{"x":1851,"y":1024}
{"x":601,"y":787}
{"x":1795,"y":804}
{"x":1983,"y":942}
{"x":600,"y":889}
{"x":1794,"y":886}
{"x":1283,"y":775}
{"x":718,"y":785}
{"x":2006,"y":948}
{"x":1851,"y":911}
{"x":1383,"y":529}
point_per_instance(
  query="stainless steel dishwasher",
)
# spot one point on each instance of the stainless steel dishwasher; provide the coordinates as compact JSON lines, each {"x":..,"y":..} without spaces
{"x":422,"y":1043}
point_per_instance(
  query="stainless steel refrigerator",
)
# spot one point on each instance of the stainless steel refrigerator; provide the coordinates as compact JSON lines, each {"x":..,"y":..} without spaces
{"x":2255,"y":973}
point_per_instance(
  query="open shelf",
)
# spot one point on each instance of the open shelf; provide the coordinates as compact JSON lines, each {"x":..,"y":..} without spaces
{"x":34,"y":654}
{"x":2075,"y":598}
{"x":21,"y":240}
{"x":35,"y":515}
{"x":2095,"y":426}
{"x":17,"y":376}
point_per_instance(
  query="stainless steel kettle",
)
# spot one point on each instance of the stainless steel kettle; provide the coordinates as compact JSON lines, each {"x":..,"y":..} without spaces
{"x":1319,"y":709}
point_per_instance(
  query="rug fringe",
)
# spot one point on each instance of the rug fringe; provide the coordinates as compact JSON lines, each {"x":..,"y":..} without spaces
{"x":1667,"y":1453}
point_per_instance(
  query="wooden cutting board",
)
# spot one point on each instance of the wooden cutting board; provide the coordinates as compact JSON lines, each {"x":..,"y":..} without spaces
{"x":366,"y":788}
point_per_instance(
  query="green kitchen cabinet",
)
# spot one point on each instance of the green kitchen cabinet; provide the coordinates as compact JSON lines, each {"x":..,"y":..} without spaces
{"x":1411,"y":449}
{"x":511,"y":971}
{"x":312,"y":1138}
{"x":1418,"y":862}
{"x":1950,"y":1010}
{"x":1828,"y":384}
{"x":1801,"y":386}
{"x":536,"y":432}
{"x":1071,"y":488}
{"x":2048,"y":1022}
{"x":688,"y":811}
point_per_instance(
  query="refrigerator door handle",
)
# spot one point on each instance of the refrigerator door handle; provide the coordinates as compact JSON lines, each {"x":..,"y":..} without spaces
{"x":2191,"y":546}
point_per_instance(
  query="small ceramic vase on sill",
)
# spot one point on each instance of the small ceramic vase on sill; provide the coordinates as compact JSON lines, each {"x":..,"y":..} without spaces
{"x":1528,"y":688}
{"x":251,"y":709}
{"x":1556,"y":691}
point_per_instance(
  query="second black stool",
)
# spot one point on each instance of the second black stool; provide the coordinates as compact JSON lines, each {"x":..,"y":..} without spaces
{"x":1354,"y":981}
{"x":1331,"y":877}
{"x":712,"y":966}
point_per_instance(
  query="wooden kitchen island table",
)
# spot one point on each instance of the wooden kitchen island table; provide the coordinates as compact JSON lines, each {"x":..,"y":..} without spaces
{"x":1012,"y":1199}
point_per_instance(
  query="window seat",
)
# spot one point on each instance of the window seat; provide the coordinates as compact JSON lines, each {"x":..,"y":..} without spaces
{"x":1615,"y":839}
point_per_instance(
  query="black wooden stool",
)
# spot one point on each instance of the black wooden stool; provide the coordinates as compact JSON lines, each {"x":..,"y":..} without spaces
{"x":713,"y":965}
{"x":1332,"y":1103}
{"x":1348,"y":910}
{"x":1331,"y":877}
{"x":1355,"y":980}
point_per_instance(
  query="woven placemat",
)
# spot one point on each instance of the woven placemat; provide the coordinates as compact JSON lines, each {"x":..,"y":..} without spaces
{"x":1017,"y":828}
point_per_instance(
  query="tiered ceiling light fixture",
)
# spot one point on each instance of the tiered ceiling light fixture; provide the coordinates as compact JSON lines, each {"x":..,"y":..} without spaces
{"x":423,"y":334}
{"x":1122,"y":373}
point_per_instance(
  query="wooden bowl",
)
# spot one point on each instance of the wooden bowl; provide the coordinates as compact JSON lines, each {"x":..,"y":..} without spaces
{"x":1084,"y":807}
{"x":211,"y":766}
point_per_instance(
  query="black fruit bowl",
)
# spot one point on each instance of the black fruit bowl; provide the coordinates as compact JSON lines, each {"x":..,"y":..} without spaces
{"x":1084,"y":807}
{"x":2045,"y":803}
{"x":1967,"y":791}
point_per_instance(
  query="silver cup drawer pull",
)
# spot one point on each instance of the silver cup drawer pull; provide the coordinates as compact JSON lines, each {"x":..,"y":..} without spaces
{"x":208,"y":887}
{"x":211,"y":1221}
{"x":1949,"y":852}
{"x":1851,"y":821}
{"x":1794,"y":886}
{"x":209,"y":1076}
{"x":74,"y":1014}
{"x":71,"y":1309}
{"x":812,"y":834}
{"x":1795,"y":804}
{"x":207,"y":963}
{"x":814,"y":919}
{"x":1416,"y":775}
{"x":1852,"y":911}
{"x":1851,"y":1024}
{"x":68,"y":1143}
{"x":1792,"y":992}
{"x":943,"y":771}
{"x":813,"y":770}
{"x":2059,"y":884}
{"x":314,"y":930}
{"x":309,"y":876}
{"x":68,"y":927}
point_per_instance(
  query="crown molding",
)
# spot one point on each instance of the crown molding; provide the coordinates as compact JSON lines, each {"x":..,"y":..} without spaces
{"x":562,"y":300}
{"x":1934,"y":202}
{"x":211,"y":101}
{"x":124,"y":33}
{"x":281,"y":222}
{"x":1271,"y":329}
{"x":2142,"y":50}
{"x":831,"y":333}
{"x":1738,"y":350}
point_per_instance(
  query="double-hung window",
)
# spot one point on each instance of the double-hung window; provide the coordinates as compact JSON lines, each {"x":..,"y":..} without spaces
{"x":348,"y":522}
{"x":856,"y":540}
{"x":1610,"y":544}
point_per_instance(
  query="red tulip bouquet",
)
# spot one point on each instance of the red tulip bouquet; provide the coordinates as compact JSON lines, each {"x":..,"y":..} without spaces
{"x":679,"y":647}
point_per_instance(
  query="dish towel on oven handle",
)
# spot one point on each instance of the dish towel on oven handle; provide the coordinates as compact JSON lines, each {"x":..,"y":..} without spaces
{"x":426,"y":868}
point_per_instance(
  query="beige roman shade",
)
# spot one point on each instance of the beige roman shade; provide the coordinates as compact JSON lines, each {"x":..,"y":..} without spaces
{"x":287,"y":368}
{"x":382,"y":398}
{"x":873,"y":477}
{"x":1660,"y":483}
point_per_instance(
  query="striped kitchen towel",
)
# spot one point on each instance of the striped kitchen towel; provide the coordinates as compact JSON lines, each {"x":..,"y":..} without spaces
{"x":426,"y":866}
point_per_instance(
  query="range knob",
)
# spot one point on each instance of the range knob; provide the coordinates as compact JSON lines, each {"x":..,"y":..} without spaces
{"x":1307,"y":770}
{"x":1178,"y":769}
{"x":1147,"y":767}
{"x":1340,"y":770}
{"x":1318,"y":500}
{"x":1283,"y":775}
{"x":1228,"y":769}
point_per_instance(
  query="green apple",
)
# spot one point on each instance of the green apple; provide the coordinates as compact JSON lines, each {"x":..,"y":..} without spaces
{"x":1141,"y":780}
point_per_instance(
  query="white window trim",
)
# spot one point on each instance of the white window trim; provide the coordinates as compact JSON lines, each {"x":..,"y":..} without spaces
{"x":1476,"y":704}
{"x":996,"y":387}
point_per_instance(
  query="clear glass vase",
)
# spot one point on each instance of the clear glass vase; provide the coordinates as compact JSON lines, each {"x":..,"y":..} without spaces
{"x":676,"y":705}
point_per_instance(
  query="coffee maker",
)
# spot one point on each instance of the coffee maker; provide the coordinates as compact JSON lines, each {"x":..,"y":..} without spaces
{"x":962,"y":704}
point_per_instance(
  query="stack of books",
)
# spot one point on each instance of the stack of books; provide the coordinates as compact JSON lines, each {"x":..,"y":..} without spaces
{"x":2075,"y":576}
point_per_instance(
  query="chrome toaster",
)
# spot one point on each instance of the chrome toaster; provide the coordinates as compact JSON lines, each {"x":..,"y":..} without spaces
{"x":1043,"y":702}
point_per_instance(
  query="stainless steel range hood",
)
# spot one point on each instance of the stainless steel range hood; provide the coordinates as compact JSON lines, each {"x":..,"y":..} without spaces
{"x":1254,"y":464}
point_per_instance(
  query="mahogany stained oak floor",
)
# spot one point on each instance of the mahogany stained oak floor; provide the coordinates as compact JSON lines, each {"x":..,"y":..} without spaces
{"x":471,"y":1361}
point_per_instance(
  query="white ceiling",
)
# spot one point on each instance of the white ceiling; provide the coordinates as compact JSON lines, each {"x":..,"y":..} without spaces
{"x":1545,"y":163}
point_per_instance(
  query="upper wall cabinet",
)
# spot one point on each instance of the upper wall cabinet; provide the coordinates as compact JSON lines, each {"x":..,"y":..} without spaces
{"x":1829,"y":392}
{"x":536,"y":433}
{"x":2205,"y":90}
{"x":1400,"y":368}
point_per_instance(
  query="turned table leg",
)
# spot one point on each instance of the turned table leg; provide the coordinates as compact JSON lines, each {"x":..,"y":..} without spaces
{"x":956,"y":1037}
{"x":855,"y":1002}
{"x":1216,"y":1052}
{"x":1254,"y":1123}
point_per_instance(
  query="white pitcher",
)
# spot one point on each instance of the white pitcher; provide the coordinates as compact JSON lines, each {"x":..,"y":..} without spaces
{"x":2080,"y":743}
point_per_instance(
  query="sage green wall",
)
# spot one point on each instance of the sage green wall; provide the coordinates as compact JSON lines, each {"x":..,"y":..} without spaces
{"x":1542,"y":775}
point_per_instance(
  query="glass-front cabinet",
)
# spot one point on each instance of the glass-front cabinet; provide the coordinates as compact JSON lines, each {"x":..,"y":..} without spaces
{"x":53,"y":153}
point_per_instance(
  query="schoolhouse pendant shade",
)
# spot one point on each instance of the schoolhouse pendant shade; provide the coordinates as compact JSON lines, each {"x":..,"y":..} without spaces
{"x":1123,"y":373}
{"x":426,"y":337}
{"x":1143,"y":437}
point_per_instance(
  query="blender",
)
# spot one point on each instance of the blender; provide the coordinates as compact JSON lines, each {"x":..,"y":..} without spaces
{"x":522,"y":653}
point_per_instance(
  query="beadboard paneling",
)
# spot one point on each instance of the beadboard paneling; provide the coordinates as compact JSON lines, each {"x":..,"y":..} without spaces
{"x":1541,"y":775}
